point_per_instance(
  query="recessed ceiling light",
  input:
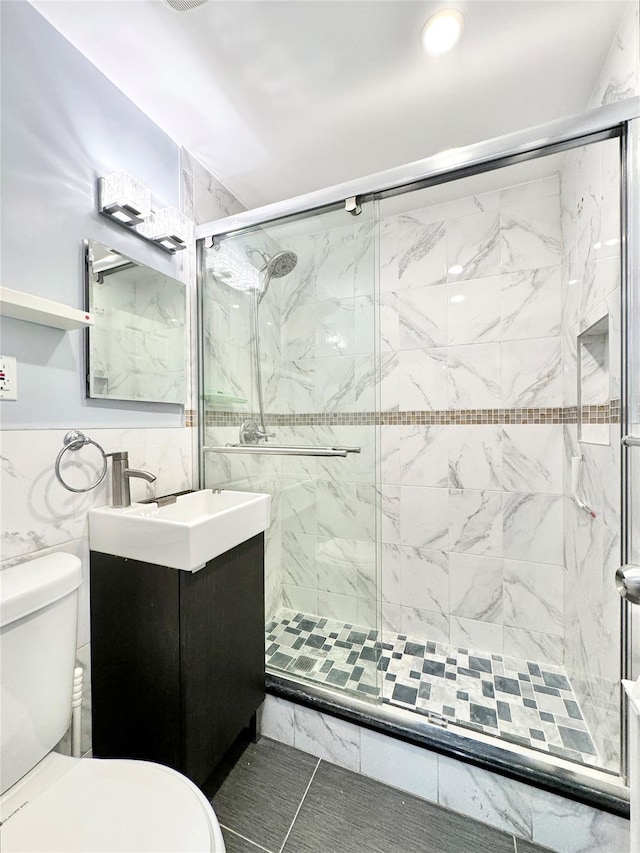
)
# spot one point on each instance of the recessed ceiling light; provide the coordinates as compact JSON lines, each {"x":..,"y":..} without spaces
{"x":442,"y":32}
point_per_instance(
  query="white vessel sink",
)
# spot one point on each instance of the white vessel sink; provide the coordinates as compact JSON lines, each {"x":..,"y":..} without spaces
{"x":182,"y":535}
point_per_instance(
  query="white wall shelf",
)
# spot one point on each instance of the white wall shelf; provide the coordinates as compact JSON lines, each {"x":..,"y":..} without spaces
{"x":35,"y":309}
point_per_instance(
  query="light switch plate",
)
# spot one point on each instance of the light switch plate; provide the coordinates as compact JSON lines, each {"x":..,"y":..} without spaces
{"x":8,"y":378}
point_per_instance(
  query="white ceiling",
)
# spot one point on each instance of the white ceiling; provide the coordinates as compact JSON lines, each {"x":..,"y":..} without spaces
{"x":281,"y":97}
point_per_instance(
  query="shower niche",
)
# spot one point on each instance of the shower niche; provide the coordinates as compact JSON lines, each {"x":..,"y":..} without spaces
{"x":594,"y":383}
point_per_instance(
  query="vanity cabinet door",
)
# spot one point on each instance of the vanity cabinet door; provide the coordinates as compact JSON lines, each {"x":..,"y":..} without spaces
{"x":135,"y":660}
{"x":222,"y":653}
{"x":177,"y":658}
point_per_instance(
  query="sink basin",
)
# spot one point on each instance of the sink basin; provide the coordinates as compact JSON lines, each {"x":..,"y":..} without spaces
{"x":182,"y":535}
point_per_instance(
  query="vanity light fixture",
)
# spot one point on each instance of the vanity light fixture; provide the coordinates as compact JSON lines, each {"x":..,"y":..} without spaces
{"x":124,"y":199}
{"x":442,"y":32}
{"x":127,"y":201}
{"x":168,"y":228}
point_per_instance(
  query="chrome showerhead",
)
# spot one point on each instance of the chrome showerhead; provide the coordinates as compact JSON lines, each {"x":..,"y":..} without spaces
{"x":281,"y":264}
{"x":276,"y":266}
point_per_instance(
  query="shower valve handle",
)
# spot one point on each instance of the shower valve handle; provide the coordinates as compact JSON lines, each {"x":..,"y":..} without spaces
{"x":250,"y":432}
{"x":261,"y":434}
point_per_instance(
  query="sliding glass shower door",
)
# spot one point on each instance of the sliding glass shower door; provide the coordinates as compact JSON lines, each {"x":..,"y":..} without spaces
{"x":500,"y":392}
{"x":289,"y":345}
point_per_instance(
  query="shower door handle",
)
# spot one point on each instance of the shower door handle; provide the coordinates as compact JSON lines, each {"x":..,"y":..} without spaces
{"x":630,"y":441}
{"x":628,"y":583}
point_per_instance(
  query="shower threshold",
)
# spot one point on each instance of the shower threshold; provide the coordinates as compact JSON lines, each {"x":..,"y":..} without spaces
{"x":518,"y":701}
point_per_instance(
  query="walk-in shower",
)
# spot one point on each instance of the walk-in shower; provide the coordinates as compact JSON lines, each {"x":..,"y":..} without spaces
{"x":465,"y":334}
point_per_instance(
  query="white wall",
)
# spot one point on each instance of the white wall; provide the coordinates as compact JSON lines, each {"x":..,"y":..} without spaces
{"x":64,"y":125}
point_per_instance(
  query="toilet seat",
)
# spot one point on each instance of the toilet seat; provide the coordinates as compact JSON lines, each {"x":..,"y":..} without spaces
{"x":104,"y":806}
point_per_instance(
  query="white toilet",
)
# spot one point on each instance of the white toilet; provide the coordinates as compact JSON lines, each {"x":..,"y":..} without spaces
{"x":51,"y":802}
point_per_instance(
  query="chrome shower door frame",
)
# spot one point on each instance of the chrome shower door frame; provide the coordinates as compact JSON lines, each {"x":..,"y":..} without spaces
{"x":630,"y":394}
{"x":440,"y":168}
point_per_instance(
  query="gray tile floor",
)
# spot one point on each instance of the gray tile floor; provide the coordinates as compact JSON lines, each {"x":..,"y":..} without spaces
{"x":276,"y":799}
{"x":524,"y":702}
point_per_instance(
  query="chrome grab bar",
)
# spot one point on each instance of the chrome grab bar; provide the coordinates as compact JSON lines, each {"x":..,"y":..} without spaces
{"x":630,"y":441}
{"x":304,"y":447}
{"x":282,"y":450}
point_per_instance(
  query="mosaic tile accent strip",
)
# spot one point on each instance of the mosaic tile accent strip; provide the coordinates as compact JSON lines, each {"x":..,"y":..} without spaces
{"x":523,"y":702}
{"x":605,"y":413}
{"x":190,"y":418}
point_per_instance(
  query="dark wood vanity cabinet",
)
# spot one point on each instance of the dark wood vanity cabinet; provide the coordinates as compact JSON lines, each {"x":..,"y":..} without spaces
{"x":177,"y":658}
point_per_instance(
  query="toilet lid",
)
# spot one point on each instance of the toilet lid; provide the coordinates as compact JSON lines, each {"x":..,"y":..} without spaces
{"x":104,"y":806}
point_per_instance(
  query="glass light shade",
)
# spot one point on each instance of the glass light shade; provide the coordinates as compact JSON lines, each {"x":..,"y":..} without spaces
{"x":169,"y":228}
{"x":124,"y":198}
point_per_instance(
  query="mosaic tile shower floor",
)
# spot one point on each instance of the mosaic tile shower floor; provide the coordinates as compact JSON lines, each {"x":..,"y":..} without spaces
{"x":519,"y":701}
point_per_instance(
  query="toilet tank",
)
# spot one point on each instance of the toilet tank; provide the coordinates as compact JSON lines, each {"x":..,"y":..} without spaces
{"x":38,"y":618}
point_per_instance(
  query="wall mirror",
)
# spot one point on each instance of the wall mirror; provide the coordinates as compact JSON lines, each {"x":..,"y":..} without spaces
{"x":137,"y":348}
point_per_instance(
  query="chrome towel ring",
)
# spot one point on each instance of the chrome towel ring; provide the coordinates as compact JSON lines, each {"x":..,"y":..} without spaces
{"x":74,"y":440}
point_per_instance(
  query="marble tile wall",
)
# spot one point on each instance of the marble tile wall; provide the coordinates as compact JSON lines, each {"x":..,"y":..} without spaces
{"x":471,"y":526}
{"x":620,"y":75}
{"x":472,"y":514}
{"x":230,"y":385}
{"x":203,"y":198}
{"x":591,"y":293}
{"x":326,"y":312}
{"x":470,"y":318}
{"x":317,"y":351}
{"x":589,"y":187}
{"x":485,"y":271}
{"x":320,"y":547}
{"x":38,"y":514}
{"x":547,"y":819}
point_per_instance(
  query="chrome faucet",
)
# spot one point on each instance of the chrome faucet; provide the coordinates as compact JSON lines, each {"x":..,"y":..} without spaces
{"x":120,"y":476}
